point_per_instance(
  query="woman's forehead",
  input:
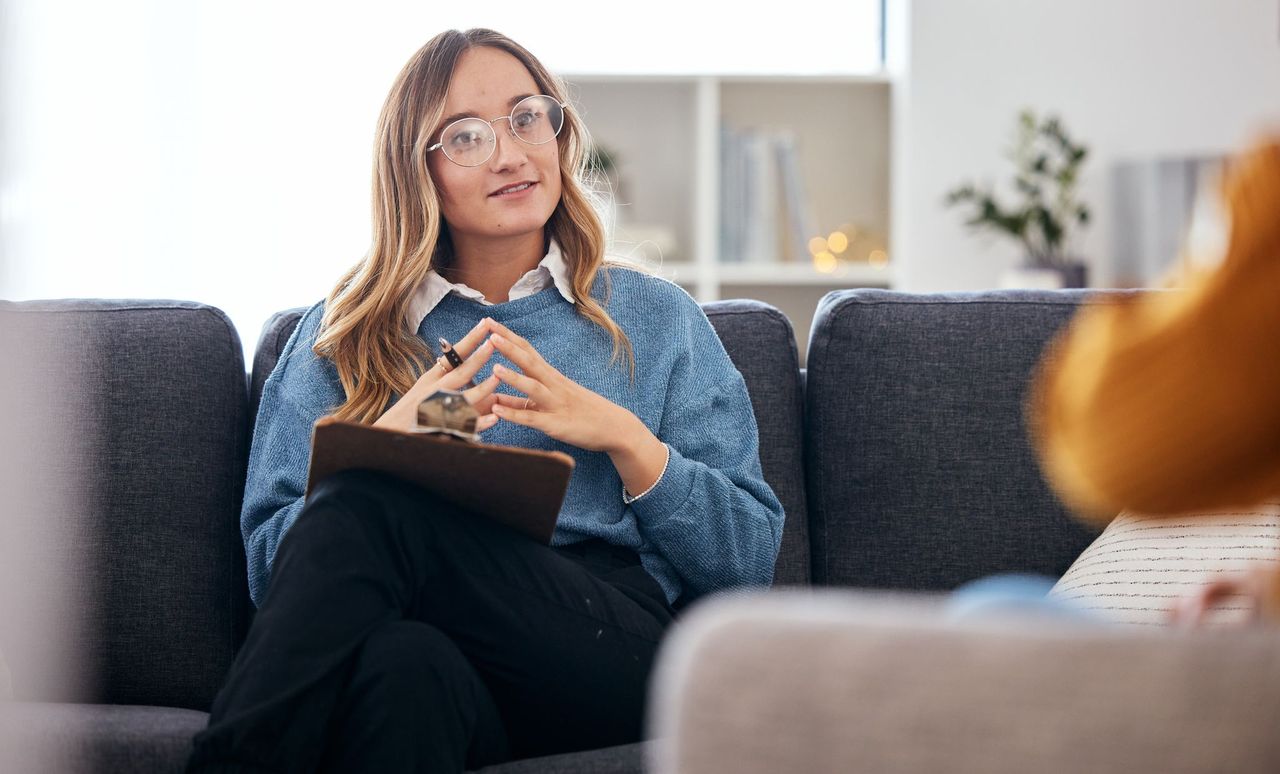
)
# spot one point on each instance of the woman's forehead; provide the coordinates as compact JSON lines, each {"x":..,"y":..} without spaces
{"x":485,"y":81}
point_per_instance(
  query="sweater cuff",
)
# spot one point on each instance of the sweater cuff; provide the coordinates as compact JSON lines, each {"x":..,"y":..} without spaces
{"x":671,"y":492}
{"x":628,"y":498}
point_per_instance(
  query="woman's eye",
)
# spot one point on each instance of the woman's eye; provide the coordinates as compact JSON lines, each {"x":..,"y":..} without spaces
{"x":464,"y":140}
{"x":527,"y":118}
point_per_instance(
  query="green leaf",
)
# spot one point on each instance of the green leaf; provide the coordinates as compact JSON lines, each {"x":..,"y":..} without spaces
{"x":1050,"y":226}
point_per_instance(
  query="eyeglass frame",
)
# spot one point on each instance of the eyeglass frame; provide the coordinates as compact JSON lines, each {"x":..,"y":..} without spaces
{"x":510,"y":117}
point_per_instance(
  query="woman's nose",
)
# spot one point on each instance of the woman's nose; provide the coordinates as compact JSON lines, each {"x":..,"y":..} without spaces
{"x":510,"y":151}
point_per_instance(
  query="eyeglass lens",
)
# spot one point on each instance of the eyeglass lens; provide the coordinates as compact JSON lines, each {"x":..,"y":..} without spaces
{"x":470,"y":141}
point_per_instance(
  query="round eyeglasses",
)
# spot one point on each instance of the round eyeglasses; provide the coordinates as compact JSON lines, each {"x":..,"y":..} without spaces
{"x":469,"y":142}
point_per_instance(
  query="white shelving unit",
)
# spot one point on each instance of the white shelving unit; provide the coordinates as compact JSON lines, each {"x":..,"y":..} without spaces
{"x":664,"y":132}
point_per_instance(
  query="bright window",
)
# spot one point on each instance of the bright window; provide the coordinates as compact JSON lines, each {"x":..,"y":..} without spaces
{"x":221,"y":151}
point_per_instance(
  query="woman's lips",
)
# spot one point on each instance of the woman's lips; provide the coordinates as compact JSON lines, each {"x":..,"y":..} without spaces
{"x":516,"y":194}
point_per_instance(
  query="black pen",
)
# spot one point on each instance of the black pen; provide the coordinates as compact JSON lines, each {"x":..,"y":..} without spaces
{"x":451,"y":355}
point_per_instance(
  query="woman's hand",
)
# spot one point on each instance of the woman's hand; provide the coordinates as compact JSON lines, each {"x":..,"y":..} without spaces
{"x":572,"y":414}
{"x":1258,"y":588}
{"x":556,"y":405}
{"x":404,"y":414}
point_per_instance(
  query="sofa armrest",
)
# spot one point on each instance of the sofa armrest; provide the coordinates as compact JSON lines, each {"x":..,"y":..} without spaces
{"x":833,"y":681}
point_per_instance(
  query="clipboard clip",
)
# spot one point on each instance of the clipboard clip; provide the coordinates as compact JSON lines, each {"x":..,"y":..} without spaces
{"x":447,"y":412}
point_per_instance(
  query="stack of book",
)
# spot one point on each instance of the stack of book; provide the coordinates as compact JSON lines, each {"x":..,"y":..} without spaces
{"x":765,"y":212}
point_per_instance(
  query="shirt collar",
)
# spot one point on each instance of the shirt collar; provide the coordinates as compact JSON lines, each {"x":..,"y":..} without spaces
{"x":551,"y":270}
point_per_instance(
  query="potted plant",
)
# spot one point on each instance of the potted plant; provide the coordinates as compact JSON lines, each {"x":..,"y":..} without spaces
{"x":1046,"y":169}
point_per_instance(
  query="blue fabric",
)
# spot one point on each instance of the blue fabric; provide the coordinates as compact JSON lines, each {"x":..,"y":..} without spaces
{"x":1023,"y":594}
{"x":711,"y":523}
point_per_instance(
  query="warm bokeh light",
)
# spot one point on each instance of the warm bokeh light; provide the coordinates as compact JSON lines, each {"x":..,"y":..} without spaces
{"x":817,"y":245}
{"x":838,"y":242}
{"x":878,"y":259}
{"x":824,"y":262}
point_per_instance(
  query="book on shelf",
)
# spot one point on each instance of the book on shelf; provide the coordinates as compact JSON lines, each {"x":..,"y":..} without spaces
{"x":766,"y":215}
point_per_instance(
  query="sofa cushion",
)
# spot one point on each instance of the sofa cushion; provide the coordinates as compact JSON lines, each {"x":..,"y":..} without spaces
{"x":761,"y":343}
{"x":6,"y":682}
{"x":94,"y":737}
{"x":275,"y":334}
{"x":131,"y":481}
{"x":623,"y":759}
{"x":846,"y":681}
{"x":1141,"y":566}
{"x":919,"y":468}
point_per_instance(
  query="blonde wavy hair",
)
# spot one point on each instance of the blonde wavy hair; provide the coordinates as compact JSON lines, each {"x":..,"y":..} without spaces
{"x":364,"y":330}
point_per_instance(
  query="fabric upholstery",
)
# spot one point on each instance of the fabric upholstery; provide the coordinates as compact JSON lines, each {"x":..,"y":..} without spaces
{"x":90,"y":738}
{"x":146,"y":449}
{"x":1140,"y":565}
{"x":275,"y":334}
{"x":6,"y":681}
{"x":920,"y":471}
{"x":624,"y":759}
{"x":761,"y":343}
{"x":839,"y":681}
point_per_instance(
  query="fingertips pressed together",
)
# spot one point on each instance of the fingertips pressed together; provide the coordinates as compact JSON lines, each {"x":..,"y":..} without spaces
{"x":459,"y":376}
{"x":468,"y":343}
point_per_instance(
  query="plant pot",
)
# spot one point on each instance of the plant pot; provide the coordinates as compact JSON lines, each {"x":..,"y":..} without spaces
{"x":1039,"y":277}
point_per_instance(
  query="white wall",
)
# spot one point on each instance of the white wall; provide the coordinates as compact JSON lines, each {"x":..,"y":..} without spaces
{"x":1130,"y":78}
{"x":221,"y":151}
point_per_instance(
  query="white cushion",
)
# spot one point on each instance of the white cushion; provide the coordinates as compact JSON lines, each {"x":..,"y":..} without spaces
{"x":1141,"y":565}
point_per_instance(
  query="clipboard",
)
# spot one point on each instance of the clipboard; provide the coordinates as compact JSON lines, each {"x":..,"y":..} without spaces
{"x":521,"y":488}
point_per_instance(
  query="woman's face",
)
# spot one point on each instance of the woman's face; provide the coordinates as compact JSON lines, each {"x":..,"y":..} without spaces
{"x":487,"y":83}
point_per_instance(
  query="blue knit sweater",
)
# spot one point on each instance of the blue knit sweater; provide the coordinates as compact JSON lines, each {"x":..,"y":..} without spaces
{"x":710,"y":523}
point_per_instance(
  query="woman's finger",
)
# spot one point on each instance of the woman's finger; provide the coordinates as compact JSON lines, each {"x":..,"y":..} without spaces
{"x":526,"y":417}
{"x":468,"y":343}
{"x":515,"y":401}
{"x":458,"y":377}
{"x":485,"y":422}
{"x":529,"y":386}
{"x":528,"y":360}
{"x":517,"y":340}
{"x":1191,"y":611}
{"x":482,"y":390}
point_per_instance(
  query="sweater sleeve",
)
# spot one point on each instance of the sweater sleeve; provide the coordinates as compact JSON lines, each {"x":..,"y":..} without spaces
{"x":293,"y":398}
{"x":712,"y":515}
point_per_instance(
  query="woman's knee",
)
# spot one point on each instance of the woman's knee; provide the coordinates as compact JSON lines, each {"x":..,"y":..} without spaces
{"x":354,"y":488}
{"x":389,"y":505}
{"x":412,"y":689}
{"x":352,"y":502}
{"x":413,"y":662}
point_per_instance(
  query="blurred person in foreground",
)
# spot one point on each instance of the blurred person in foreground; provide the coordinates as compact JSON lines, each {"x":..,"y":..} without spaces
{"x":1170,"y":403}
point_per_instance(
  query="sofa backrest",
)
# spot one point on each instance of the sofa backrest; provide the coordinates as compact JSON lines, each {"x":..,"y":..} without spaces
{"x":134,"y":485}
{"x":761,"y":343}
{"x":920,"y":470}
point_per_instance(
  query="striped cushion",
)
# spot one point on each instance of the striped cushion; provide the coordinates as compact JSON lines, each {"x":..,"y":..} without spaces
{"x":1140,"y":565}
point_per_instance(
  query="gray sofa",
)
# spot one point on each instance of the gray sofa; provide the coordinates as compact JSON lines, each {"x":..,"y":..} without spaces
{"x":903,"y":464}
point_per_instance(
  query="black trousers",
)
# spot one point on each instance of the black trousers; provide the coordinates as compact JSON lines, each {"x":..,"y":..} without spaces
{"x":400,"y":633}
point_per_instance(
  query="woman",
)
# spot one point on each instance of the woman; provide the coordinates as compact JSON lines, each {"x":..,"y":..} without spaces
{"x":394,"y":631}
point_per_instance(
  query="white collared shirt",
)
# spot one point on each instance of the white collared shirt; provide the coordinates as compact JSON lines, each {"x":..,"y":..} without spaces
{"x":552,"y":269}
